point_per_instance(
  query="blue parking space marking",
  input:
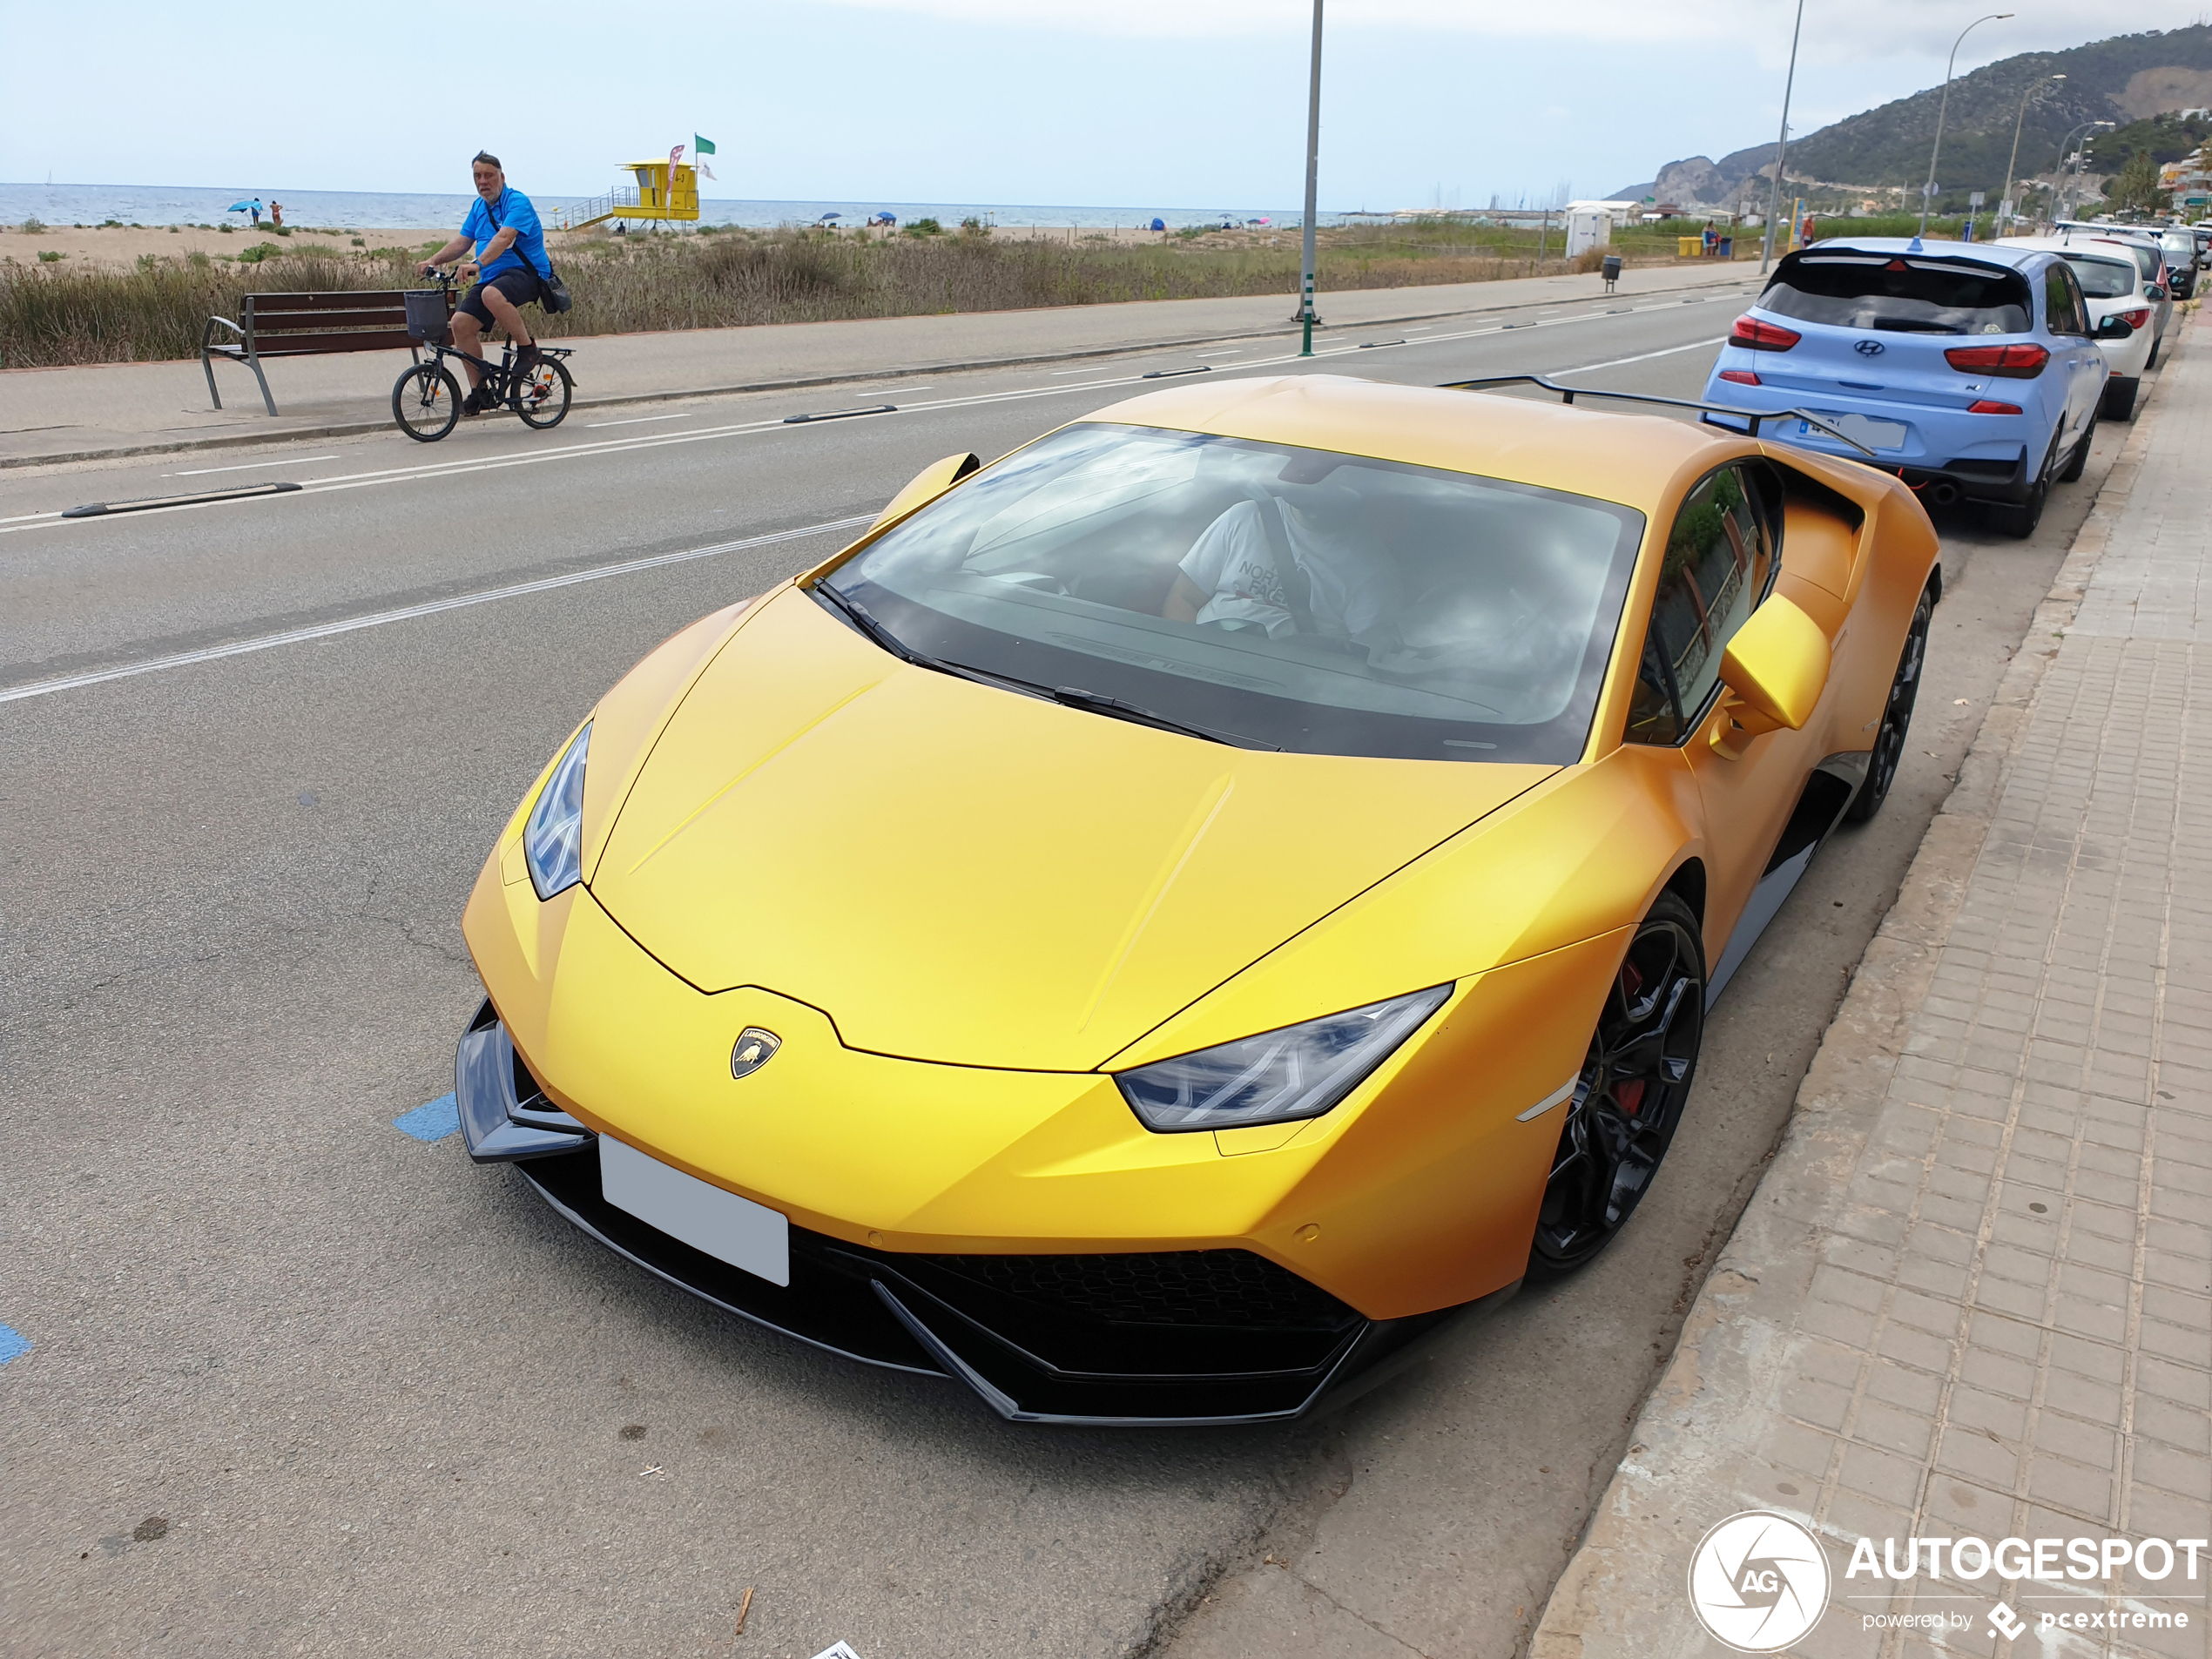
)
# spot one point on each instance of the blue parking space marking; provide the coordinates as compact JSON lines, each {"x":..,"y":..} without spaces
{"x":433,"y":1122}
{"x":13,"y":1342}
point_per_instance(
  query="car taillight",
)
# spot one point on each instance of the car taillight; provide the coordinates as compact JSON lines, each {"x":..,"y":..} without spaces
{"x":1754,"y":335}
{"x":2135,"y":319}
{"x":1741,"y":376}
{"x":1990,"y":406}
{"x":2006,"y":362}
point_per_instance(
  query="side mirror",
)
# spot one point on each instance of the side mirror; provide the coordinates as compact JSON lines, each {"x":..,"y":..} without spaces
{"x":2114,"y":328}
{"x":2155,"y":294}
{"x":926,"y":485}
{"x":1775,"y":669}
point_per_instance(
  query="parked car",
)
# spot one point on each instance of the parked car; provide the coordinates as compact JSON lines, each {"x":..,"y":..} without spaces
{"x":2121,"y":315}
{"x":2181,"y":251}
{"x":2142,"y":246}
{"x":1966,"y":368}
{"x":1149,"y":998}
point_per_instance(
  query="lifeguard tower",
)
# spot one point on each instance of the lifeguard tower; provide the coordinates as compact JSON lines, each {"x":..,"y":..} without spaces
{"x":664,"y":189}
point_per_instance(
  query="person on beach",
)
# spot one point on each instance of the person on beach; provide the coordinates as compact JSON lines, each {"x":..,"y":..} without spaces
{"x":509,"y":267}
{"x":276,"y":214}
{"x":256,"y":210}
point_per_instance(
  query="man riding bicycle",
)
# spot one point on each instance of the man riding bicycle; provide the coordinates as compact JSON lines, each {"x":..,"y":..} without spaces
{"x":509,"y":266}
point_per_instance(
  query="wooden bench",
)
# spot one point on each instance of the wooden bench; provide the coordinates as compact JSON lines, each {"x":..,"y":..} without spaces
{"x":303,"y":325}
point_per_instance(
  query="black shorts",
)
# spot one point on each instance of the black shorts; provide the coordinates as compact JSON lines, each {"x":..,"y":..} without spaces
{"x":520,"y":288}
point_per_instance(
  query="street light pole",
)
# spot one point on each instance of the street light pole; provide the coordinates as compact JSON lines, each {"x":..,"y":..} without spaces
{"x":1313,"y":182}
{"x":1782,"y":142}
{"x":1943,"y":106}
{"x":2058,"y":185}
{"x":2088,"y":129}
{"x":2004,"y":201}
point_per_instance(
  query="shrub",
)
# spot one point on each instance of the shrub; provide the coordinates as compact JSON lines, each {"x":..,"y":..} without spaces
{"x":925,"y":227}
{"x":47,"y":256}
{"x":32,"y":225}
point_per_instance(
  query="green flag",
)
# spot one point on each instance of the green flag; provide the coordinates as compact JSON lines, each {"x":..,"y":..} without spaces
{"x":702,"y":146}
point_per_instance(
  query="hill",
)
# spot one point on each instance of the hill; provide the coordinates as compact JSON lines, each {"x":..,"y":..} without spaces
{"x":2125,"y":79}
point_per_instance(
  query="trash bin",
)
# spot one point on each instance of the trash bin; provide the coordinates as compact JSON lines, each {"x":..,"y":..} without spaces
{"x":1690,"y":248}
{"x":1610,"y":270}
{"x":1728,"y":247}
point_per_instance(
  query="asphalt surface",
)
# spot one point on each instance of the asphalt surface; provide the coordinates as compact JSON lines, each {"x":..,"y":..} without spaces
{"x":299,"y":1383}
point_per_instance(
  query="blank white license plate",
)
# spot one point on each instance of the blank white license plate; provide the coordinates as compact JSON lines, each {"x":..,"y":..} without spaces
{"x":726,"y":1227}
{"x":1875,"y":434}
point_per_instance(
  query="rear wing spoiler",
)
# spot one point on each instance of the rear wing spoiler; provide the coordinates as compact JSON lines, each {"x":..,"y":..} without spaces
{"x":1751,"y":418}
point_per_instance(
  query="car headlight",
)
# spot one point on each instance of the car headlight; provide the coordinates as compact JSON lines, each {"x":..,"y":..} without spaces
{"x":1277,"y":1077}
{"x":553,"y":839}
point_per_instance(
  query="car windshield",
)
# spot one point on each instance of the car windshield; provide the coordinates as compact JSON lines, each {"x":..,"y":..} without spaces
{"x":2179,"y":246}
{"x":2104,"y":279}
{"x":1890,"y":293}
{"x":1295,"y":598}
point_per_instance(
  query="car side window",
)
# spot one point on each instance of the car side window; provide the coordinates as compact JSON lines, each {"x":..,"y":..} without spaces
{"x":2063,"y":310}
{"x":1719,"y":563}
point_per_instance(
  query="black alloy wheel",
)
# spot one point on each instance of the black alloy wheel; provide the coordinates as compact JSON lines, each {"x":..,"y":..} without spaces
{"x":1630,"y":1095}
{"x":543,"y":392}
{"x":426,"y":401}
{"x":1897,"y":716}
{"x":2020,"y":519}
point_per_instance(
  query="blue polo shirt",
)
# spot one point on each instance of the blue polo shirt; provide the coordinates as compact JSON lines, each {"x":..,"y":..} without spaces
{"x":511,"y":211}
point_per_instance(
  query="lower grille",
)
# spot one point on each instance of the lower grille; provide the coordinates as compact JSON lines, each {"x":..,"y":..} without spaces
{"x":1203,"y":1287}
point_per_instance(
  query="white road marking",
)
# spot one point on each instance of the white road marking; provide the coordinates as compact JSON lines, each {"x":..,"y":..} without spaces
{"x":1642,"y":357}
{"x":407,"y":613}
{"x":635,"y":419}
{"x":247,"y":466}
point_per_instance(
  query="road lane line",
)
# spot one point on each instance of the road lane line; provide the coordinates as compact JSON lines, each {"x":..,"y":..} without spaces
{"x":407,"y":613}
{"x":247,"y":466}
{"x":1642,"y":357}
{"x":635,"y":419}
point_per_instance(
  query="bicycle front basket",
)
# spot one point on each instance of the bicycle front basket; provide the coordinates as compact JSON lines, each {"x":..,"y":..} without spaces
{"x":426,"y":316}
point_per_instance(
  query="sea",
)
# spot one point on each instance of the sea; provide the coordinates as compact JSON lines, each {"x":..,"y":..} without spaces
{"x":361,"y":210}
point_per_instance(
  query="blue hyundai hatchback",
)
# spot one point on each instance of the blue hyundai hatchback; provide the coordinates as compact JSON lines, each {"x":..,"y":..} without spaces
{"x":1967,"y":367}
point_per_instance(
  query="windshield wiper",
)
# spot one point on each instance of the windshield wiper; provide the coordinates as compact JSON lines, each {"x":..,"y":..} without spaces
{"x":1098,"y":703}
{"x":1073,"y":696}
{"x":863,"y":619}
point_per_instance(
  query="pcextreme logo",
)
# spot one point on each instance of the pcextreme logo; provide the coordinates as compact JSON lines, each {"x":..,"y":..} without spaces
{"x":1758,"y":1582}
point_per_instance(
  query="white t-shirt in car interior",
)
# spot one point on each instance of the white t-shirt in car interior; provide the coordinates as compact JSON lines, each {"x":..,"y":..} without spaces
{"x":1349,"y":590}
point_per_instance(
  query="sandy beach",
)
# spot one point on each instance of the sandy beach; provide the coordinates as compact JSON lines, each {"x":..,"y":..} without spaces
{"x":125,"y":245}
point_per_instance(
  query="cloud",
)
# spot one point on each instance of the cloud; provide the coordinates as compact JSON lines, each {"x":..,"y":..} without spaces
{"x":1853,"y":30}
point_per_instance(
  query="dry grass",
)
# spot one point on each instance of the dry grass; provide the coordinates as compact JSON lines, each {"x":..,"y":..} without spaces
{"x":52,"y":315}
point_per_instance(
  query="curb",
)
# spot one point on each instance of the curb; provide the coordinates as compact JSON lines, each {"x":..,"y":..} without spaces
{"x":350,"y":429}
{"x":1739,"y":1342}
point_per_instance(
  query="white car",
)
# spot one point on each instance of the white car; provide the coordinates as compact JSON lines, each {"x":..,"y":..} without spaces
{"x":2123,"y":313}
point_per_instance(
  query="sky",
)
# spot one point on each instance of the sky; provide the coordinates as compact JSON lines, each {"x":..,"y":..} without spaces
{"x":1188,"y":103}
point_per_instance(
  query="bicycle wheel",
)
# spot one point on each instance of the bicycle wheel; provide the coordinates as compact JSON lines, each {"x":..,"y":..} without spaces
{"x":542,"y":398}
{"x":426,"y":401}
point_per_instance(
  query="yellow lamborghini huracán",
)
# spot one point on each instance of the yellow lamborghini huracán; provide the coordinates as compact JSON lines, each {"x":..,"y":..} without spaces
{"x":1166,"y":919}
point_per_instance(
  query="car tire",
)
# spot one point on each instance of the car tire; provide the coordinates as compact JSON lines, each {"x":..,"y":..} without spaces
{"x":2071,"y":474}
{"x":2119,"y":399}
{"x":1629,"y":1098}
{"x":2020,"y":519}
{"x":1897,"y":716}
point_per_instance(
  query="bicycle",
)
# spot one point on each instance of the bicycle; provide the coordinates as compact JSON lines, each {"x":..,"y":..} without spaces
{"x":425,"y":399}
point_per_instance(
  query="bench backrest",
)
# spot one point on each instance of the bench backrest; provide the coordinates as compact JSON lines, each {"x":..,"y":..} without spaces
{"x":284,"y":323}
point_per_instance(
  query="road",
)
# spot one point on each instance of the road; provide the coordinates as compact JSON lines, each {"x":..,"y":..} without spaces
{"x":301,"y":1384}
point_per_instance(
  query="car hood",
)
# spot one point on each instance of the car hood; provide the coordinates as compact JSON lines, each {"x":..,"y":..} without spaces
{"x":959,"y":873}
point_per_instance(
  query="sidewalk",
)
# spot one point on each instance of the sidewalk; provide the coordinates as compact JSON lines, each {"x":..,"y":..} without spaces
{"x":1970,"y":1296}
{"x":110,"y":409}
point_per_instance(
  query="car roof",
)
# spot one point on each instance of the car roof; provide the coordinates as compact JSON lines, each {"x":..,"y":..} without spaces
{"x":2085,"y":249}
{"x":2005,"y":253}
{"x":1628,"y":458}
